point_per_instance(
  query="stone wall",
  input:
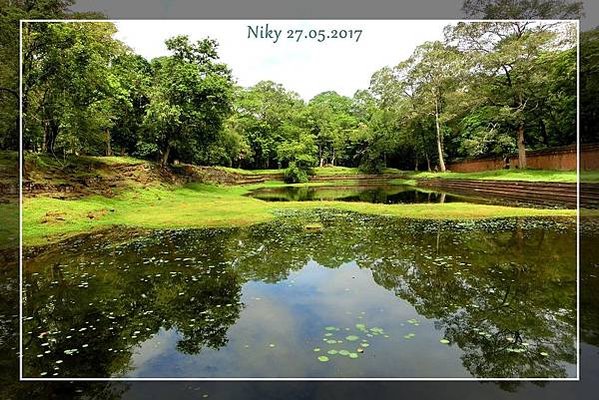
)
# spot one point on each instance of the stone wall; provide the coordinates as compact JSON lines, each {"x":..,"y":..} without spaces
{"x":556,"y":158}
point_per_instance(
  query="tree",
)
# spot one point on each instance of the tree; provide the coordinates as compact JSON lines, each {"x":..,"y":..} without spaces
{"x":264,"y":116}
{"x":132,"y":76}
{"x":434,"y":70}
{"x":11,"y":11}
{"x":189,"y":99}
{"x":506,"y":56}
{"x":523,"y":9}
{"x":589,"y":86}
{"x":330,"y":120}
{"x":66,"y":84}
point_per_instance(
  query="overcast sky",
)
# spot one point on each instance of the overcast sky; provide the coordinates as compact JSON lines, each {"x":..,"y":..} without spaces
{"x":307,"y":67}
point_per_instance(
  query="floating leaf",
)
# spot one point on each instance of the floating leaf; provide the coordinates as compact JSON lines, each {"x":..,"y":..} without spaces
{"x":344,"y":352}
{"x":316,"y":349}
{"x":544,"y":354}
{"x":353,"y":355}
{"x":323,"y":358}
{"x":332,"y":352}
{"x":444,"y":341}
{"x":352,"y":338}
{"x":330,"y":328}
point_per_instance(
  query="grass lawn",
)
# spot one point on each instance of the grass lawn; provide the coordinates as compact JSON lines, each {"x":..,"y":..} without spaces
{"x":46,"y":220}
{"x":511,"y":175}
{"x":318,"y":171}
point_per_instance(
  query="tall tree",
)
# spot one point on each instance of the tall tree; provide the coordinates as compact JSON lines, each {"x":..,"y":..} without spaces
{"x":508,"y":53}
{"x":435,"y":70}
{"x":66,"y":79}
{"x":330,"y":120}
{"x":189,"y":99}
{"x":589,"y":86}
{"x":265,"y":115}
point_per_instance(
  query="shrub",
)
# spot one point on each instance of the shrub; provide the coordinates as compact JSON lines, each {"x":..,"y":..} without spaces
{"x":295,"y":174}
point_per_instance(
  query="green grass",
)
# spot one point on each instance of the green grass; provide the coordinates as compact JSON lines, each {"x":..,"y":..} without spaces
{"x":318,"y":171}
{"x":116,"y":160}
{"x":201,"y":205}
{"x":9,"y":225}
{"x":508,"y":175}
{"x":250,"y":171}
{"x":157,"y":205}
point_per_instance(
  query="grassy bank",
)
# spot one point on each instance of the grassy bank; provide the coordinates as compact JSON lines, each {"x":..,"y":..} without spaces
{"x":152,"y":203}
{"x":317,"y":171}
{"x":46,"y":220}
{"x":529,"y":175}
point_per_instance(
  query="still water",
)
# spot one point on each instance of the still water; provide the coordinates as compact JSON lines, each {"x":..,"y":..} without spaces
{"x":384,"y":193}
{"x":363,"y":296}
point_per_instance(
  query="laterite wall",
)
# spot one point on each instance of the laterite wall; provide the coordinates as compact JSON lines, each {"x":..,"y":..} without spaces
{"x":557,"y":158}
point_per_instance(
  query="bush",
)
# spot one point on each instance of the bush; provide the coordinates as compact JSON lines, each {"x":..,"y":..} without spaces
{"x":295,"y":174}
{"x":372,"y":166}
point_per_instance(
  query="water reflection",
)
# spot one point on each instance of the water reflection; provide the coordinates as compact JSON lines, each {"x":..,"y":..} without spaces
{"x":212,"y":302}
{"x":384,"y":193}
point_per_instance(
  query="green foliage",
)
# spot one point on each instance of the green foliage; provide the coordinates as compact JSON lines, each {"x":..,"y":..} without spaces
{"x":523,"y":9}
{"x":589,"y":86}
{"x":295,"y":174}
{"x":190,"y":97}
{"x":266,"y":115}
{"x":470,"y":95}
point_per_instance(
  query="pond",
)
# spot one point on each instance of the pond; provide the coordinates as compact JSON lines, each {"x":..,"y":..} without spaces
{"x":359,"y":296}
{"x":381,"y":193}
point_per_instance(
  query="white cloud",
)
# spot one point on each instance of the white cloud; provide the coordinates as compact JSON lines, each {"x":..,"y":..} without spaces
{"x":306,"y":67}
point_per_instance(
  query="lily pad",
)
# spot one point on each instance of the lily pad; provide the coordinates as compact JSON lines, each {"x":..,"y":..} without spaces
{"x":323,"y":358}
{"x":344,"y":352}
{"x":444,"y":341}
{"x":332,"y":352}
{"x":353,"y":355}
{"x":330,"y":328}
{"x":352,"y":338}
{"x":316,"y":349}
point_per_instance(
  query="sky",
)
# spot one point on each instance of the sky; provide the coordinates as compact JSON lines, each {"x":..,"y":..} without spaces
{"x":306,"y":67}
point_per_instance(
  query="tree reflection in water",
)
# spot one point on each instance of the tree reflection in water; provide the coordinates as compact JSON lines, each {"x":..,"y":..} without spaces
{"x":503,"y":291}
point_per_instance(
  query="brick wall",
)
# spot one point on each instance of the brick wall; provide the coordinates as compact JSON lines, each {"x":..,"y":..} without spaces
{"x":556,"y":158}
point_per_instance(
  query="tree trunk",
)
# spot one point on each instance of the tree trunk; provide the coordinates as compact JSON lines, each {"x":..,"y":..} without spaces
{"x":321,"y":161}
{"x":439,"y":138}
{"x":50,"y":134}
{"x":428,"y":163}
{"x":165,"y":154}
{"x":108,"y":148}
{"x":521,"y":148}
{"x":416,"y":164}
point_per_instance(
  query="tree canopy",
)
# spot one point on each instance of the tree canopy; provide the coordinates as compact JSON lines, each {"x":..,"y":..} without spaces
{"x":486,"y":88}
